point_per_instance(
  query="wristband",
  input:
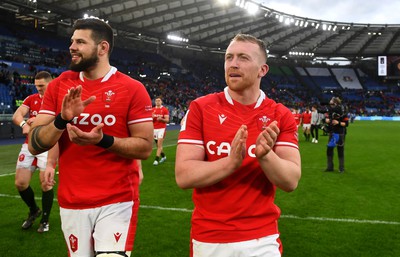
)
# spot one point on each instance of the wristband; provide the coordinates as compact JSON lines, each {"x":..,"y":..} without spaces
{"x":60,"y":123}
{"x":22,"y":123}
{"x":106,"y":142}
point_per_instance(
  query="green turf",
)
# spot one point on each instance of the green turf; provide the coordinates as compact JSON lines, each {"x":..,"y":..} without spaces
{"x":355,"y":214}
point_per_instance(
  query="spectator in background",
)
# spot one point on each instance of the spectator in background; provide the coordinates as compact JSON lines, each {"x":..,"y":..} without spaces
{"x":315,"y":122}
{"x":306,"y":123}
{"x":175,"y":115}
{"x":27,"y":162}
{"x":234,"y":148}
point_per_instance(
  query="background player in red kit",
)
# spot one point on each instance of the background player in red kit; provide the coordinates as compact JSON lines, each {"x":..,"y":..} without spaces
{"x":102,"y":121}
{"x":27,"y":163}
{"x":306,"y":123}
{"x":297,"y":116}
{"x":160,"y":120}
{"x":235,"y":147}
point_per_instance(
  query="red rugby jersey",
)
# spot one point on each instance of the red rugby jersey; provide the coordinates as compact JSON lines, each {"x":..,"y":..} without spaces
{"x":159,"y":112}
{"x":33,"y":103}
{"x":240,"y":207}
{"x":90,"y":176}
{"x":306,"y":117}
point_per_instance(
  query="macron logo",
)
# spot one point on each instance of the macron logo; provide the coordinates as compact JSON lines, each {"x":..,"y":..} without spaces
{"x":222,"y":118}
{"x":117,"y":236}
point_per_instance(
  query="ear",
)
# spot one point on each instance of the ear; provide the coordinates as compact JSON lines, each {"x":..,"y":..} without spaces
{"x":264,"y":70}
{"x":103,"y":48}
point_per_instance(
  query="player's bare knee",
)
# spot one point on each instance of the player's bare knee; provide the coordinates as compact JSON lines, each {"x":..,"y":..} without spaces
{"x":21,"y":188}
{"x":21,"y":185}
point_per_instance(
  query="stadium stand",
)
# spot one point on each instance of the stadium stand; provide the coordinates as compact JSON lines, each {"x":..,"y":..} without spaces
{"x":24,"y":51}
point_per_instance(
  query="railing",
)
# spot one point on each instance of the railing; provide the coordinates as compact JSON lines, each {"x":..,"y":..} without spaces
{"x":5,"y":117}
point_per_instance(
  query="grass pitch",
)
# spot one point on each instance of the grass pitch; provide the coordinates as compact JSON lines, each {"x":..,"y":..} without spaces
{"x":355,"y":214}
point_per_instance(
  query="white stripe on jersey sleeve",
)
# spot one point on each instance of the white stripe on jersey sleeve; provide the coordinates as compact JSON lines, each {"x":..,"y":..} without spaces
{"x":140,"y":120}
{"x":191,"y":141}
{"x":47,"y":112}
{"x":286,"y":144}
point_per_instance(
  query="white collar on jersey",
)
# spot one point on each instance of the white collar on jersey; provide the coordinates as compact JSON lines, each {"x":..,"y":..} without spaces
{"x":112,"y":71}
{"x":259,"y":100}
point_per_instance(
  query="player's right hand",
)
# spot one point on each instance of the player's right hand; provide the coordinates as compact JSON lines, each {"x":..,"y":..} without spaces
{"x":72,"y":105}
{"x":238,"y":146}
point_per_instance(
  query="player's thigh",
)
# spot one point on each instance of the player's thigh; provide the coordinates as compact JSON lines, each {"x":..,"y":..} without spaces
{"x":77,"y":227}
{"x":25,"y":158}
{"x":23,"y":177}
{"x":114,"y":228}
{"x":306,"y":127}
{"x":41,"y":161}
{"x":265,"y":246}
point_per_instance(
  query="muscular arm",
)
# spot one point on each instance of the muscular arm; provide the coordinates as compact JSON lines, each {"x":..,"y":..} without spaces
{"x":192,"y":171}
{"x":48,"y":176}
{"x":138,"y":145}
{"x":164,"y":119}
{"x":52,"y":156}
{"x":43,"y":134}
{"x":19,"y":116}
{"x":282,"y":167}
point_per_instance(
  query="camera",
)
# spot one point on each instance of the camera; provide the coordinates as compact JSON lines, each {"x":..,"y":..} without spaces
{"x":336,"y":116}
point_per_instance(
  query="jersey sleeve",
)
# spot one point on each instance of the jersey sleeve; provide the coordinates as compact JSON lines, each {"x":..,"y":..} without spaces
{"x":49,"y":105}
{"x":191,"y":129}
{"x":141,"y":108}
{"x":166,"y":111}
{"x":27,"y":101}
{"x":288,"y":135}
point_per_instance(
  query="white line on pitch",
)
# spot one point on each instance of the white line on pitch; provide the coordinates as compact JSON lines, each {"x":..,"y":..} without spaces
{"x":291,"y":216}
{"x":282,"y":216}
{"x":8,"y":174}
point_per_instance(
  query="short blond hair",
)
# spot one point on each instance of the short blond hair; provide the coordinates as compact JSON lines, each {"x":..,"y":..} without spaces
{"x":249,"y":38}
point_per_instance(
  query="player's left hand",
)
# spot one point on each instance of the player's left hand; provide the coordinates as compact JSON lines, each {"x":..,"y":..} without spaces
{"x":80,"y":137}
{"x":266,"y":140}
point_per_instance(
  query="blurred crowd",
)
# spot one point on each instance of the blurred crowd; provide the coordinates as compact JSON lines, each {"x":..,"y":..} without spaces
{"x":177,"y":84}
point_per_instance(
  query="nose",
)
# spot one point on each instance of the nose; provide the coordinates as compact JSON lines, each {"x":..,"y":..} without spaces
{"x":233,"y":63}
{"x":72,"y":45}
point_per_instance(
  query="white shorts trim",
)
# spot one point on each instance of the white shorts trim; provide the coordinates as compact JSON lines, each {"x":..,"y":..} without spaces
{"x":25,"y":159}
{"x":261,"y":247}
{"x":159,"y":133}
{"x":102,"y":229}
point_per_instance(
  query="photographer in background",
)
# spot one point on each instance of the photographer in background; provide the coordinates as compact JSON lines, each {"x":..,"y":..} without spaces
{"x":315,"y":122}
{"x":337,"y":122}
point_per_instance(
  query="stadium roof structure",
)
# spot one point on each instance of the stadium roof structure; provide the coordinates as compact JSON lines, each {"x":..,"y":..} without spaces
{"x":209,"y":25}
